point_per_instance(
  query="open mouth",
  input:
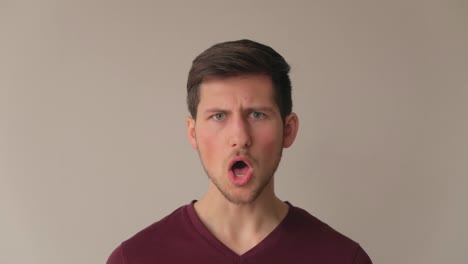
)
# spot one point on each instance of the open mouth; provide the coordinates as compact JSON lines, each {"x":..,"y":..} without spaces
{"x":240,"y":171}
{"x":240,"y":168}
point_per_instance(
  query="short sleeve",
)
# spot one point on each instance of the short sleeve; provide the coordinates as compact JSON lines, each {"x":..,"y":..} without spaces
{"x":362,"y":257}
{"x":116,"y":257}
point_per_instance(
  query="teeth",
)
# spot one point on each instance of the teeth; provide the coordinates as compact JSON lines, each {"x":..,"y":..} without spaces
{"x":239,"y":169}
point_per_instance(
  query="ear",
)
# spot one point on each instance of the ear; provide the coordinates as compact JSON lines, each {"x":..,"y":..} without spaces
{"x":191,"y":132}
{"x":291,"y":126}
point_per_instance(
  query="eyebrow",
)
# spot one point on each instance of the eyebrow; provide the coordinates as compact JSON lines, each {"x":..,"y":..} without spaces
{"x":267,"y":109}
{"x":248,"y":109}
{"x":214,"y":110}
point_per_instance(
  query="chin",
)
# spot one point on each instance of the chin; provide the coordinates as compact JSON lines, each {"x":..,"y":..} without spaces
{"x":243,"y":196}
{"x":241,"y":200}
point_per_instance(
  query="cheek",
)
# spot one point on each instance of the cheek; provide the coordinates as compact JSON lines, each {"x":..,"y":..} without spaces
{"x":271,"y":143}
{"x":207,"y":141}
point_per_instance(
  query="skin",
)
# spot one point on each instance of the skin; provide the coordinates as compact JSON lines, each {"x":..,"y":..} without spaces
{"x":238,"y":117}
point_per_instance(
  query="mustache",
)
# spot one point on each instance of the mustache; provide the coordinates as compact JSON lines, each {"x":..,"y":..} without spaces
{"x":242,"y":153}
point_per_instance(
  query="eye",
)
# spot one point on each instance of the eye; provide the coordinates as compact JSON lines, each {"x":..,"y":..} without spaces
{"x":219,"y":116}
{"x":257,"y":115}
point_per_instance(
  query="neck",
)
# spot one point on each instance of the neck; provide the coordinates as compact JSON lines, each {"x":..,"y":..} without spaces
{"x":241,"y":226}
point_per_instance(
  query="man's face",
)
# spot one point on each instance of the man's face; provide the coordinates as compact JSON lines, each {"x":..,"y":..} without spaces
{"x":239,"y":135}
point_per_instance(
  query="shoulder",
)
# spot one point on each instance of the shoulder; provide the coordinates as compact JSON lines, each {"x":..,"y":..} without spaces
{"x":302,"y":223}
{"x":152,"y":238}
{"x":315,"y":235}
{"x":164,"y":227}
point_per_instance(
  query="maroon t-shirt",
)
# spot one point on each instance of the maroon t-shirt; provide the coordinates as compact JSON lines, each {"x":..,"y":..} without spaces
{"x":182,"y":238}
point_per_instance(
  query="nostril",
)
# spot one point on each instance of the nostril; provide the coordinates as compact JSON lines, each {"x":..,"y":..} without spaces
{"x":240,"y":141}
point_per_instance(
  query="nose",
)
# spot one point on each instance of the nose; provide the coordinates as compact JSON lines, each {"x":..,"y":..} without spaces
{"x":240,"y":137}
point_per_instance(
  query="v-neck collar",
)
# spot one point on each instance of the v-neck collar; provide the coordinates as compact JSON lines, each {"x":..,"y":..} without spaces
{"x":268,"y":242}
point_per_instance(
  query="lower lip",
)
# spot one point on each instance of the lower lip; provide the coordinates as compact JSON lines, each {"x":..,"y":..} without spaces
{"x":243,"y":180}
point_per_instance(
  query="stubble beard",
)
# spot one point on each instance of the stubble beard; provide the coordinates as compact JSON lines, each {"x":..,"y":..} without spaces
{"x":257,"y":190}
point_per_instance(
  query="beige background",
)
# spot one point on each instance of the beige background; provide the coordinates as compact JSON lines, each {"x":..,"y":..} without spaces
{"x":92,"y":120}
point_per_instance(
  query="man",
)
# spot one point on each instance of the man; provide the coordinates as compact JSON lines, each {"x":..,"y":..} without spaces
{"x":239,"y":98}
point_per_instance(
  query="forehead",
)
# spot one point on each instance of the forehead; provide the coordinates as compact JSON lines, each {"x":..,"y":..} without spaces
{"x":255,"y":89}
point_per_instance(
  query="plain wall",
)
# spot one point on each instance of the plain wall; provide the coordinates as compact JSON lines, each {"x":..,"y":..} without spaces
{"x":92,"y":120}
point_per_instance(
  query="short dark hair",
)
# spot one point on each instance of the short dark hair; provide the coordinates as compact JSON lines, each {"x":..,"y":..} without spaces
{"x":237,"y":58}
